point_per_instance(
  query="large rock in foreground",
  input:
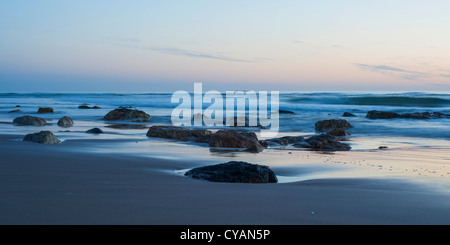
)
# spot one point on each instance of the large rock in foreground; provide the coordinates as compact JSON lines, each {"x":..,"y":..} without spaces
{"x":326,"y":125}
{"x":236,"y":139}
{"x":324,"y":142}
{"x":177,"y":133}
{"x":43,"y":137}
{"x":65,"y":122}
{"x":126,"y":114}
{"x":239,"y":172}
{"x":29,"y":121}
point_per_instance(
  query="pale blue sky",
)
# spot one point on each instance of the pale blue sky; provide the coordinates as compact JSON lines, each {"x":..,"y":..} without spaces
{"x":166,"y":45}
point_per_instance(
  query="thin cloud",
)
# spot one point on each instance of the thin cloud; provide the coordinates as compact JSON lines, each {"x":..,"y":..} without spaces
{"x":137,"y":44}
{"x":196,"y":54}
{"x":394,"y":71}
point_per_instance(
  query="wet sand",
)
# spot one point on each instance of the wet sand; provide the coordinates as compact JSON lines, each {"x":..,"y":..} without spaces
{"x":53,"y":184}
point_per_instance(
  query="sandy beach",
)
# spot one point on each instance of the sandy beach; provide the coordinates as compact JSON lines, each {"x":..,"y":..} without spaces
{"x":52,"y":184}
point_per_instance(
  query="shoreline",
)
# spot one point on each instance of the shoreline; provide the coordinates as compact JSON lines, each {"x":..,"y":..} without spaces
{"x":44,"y":184}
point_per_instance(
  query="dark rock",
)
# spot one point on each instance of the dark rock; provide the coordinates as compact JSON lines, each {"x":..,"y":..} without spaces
{"x":43,"y":137}
{"x":324,"y":142}
{"x":286,"y":140}
{"x":382,"y":147}
{"x":285,"y":112}
{"x":45,"y":110}
{"x":338,"y":132}
{"x":382,"y":115}
{"x":126,"y":114}
{"x":415,"y":115}
{"x":127,"y":126}
{"x":425,"y":115}
{"x":326,"y":125}
{"x":65,"y":122}
{"x":88,"y":107}
{"x":177,"y":133}
{"x":94,"y":131}
{"x":14,"y":111}
{"x":235,"y":139}
{"x":234,"y":171}
{"x":348,"y":114}
{"x":29,"y":121}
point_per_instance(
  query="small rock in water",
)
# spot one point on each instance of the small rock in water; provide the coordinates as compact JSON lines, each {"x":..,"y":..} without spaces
{"x":94,"y":131}
{"x":45,"y":110}
{"x":382,"y":147}
{"x":65,"y":122}
{"x":29,"y":121}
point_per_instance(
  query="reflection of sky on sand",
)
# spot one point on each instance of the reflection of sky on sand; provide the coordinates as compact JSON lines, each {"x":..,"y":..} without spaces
{"x":404,"y":157}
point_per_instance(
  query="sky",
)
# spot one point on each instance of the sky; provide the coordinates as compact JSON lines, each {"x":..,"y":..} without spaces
{"x":144,"y":46}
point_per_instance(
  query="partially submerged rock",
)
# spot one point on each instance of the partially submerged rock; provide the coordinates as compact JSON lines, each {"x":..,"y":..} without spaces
{"x":338,"y":132}
{"x":234,"y":171}
{"x":382,"y":115}
{"x":285,"y":112}
{"x":127,"y":126}
{"x":88,"y":107}
{"x":415,"y":115}
{"x":29,"y":121}
{"x":13,"y":111}
{"x":43,"y":137}
{"x":324,"y":142}
{"x":348,"y":114}
{"x":285,"y":140}
{"x":65,"y":122}
{"x":126,"y":114}
{"x":236,"y":139}
{"x":45,"y":110}
{"x":326,"y":125}
{"x":177,"y":133}
{"x":94,"y":131}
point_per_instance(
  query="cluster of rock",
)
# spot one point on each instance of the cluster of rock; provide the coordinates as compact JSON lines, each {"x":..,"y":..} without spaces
{"x":47,"y":137}
{"x":241,"y":140}
{"x":415,"y":115}
{"x":234,"y":171}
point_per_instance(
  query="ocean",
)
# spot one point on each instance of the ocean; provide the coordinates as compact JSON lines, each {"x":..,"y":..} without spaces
{"x":307,"y":108}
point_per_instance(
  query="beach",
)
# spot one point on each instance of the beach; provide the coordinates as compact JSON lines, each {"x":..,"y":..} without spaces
{"x":122,"y":176}
{"x":44,"y":184}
